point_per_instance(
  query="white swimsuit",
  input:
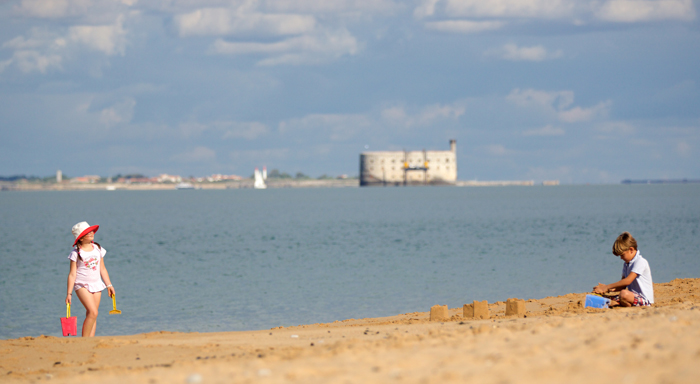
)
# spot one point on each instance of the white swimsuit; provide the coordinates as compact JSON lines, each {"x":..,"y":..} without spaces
{"x":88,"y":273}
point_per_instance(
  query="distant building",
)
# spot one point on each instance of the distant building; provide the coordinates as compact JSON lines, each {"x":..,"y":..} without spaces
{"x":137,"y":180}
{"x":218,"y":177}
{"x":409,"y":167}
{"x":91,"y":179}
{"x":165,"y":178}
{"x":59,"y":176}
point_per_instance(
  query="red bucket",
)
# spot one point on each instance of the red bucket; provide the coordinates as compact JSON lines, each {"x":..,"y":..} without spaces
{"x":69,"y":324}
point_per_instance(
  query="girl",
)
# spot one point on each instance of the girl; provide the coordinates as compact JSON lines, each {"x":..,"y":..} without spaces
{"x":87,"y":271}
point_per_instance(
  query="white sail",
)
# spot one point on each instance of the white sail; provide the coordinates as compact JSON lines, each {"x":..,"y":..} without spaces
{"x":259,"y":182}
{"x":264,"y":174}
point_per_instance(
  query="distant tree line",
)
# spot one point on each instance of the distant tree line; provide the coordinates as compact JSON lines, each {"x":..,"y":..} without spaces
{"x":276,"y":174}
{"x":28,"y":178}
{"x":130,"y":176}
{"x":273,"y":174}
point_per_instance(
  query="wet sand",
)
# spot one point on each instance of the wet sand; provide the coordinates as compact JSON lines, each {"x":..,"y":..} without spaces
{"x":556,"y":341}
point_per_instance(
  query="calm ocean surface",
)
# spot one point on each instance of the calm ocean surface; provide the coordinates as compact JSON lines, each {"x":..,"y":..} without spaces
{"x":228,"y":260}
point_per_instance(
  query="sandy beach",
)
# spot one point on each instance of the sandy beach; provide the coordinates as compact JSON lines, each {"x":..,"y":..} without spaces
{"x":556,"y":341}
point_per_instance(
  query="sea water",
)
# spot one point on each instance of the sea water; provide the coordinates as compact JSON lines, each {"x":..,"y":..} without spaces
{"x":229,"y":260}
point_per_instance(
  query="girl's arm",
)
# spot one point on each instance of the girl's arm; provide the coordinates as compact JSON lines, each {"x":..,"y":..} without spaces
{"x":620,"y":285}
{"x":105,"y":278}
{"x":71,"y":280}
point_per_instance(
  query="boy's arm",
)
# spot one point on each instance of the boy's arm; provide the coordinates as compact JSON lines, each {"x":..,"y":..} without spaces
{"x":620,"y":285}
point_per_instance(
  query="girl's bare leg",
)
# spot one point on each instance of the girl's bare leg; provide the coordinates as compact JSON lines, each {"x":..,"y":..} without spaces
{"x":97,"y":296}
{"x":91,"y":302}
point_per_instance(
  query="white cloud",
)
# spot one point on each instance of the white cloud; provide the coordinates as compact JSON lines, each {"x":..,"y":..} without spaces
{"x":630,"y":11}
{"x":306,"y":49}
{"x":514,"y":53}
{"x":547,"y":130}
{"x":109,"y":39}
{"x":248,"y":130}
{"x":4,"y":64}
{"x":223,"y":21}
{"x":33,"y":61}
{"x":192,"y":128}
{"x":93,"y":12}
{"x":498,"y":150}
{"x":284,"y":32}
{"x":21,"y":42}
{"x":426,"y":116}
{"x":557,"y":104}
{"x":335,"y":6}
{"x":464,"y":26}
{"x":578,"y":114}
{"x":425,"y":9}
{"x":41,"y":50}
{"x":530,"y":97}
{"x":683,"y":148}
{"x":227,"y":129}
{"x":54,"y":8}
{"x":468,"y":16}
{"x":510,"y":8}
{"x":196,"y":155}
{"x":121,"y":112}
{"x":345,"y":127}
{"x":333,"y":127}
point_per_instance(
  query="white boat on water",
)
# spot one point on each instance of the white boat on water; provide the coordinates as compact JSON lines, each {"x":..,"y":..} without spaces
{"x":260,"y":178}
{"x":184,"y":185}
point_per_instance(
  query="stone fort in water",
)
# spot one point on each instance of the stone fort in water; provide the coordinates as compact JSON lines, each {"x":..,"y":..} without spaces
{"x":409,"y":167}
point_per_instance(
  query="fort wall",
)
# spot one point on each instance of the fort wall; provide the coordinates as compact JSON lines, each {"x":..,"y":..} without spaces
{"x":409,"y":167}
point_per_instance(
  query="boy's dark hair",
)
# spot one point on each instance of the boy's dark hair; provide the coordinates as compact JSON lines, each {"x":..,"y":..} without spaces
{"x":623,"y":243}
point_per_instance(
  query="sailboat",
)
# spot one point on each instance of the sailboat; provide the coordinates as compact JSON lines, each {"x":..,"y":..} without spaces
{"x":260,"y":178}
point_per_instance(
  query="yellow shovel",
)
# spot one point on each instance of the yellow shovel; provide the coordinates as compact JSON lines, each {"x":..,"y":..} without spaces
{"x":115,"y":311}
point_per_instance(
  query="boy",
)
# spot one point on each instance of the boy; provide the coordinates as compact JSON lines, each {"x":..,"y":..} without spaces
{"x":636,"y":287}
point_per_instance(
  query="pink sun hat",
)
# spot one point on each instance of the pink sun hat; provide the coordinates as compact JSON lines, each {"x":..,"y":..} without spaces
{"x":81,"y":229}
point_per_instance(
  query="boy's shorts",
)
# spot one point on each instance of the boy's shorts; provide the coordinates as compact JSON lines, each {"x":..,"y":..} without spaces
{"x":639,"y":300}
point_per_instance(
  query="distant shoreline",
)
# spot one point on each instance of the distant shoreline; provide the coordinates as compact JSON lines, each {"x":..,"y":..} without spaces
{"x":281,"y":183}
{"x":242,"y":184}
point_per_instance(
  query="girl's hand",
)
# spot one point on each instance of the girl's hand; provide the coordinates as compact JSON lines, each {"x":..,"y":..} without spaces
{"x":68,"y":297}
{"x":110,"y":291}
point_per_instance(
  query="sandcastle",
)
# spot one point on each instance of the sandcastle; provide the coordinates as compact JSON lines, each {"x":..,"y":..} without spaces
{"x":515,"y":307}
{"x":439,"y":313}
{"x":476,"y":310}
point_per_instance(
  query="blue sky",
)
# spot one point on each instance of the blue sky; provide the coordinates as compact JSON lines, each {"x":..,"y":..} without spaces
{"x":580,"y":91}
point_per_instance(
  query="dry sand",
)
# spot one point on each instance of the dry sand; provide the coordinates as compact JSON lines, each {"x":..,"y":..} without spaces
{"x":557,"y":341}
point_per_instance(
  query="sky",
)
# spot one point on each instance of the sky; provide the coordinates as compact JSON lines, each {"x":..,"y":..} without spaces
{"x":581,"y":91}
